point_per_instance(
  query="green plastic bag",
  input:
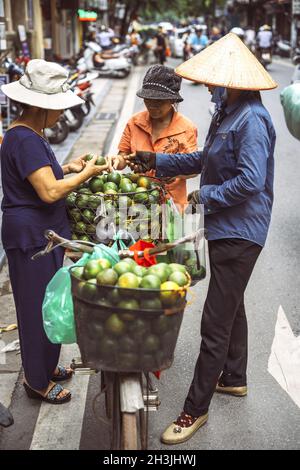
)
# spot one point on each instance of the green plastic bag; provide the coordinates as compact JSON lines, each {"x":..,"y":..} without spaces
{"x":290,"y":100}
{"x":58,"y":313}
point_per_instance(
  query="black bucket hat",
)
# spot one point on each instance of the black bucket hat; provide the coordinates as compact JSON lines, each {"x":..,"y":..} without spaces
{"x":161,"y":83}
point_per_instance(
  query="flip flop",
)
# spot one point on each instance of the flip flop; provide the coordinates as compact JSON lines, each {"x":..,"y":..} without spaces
{"x":51,"y":396}
{"x":63,"y":374}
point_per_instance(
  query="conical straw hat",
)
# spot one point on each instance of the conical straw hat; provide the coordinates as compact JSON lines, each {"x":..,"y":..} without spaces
{"x":227,"y":63}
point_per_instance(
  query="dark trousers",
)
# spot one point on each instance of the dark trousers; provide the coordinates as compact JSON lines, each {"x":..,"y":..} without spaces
{"x":224,"y":325}
{"x":29,"y":280}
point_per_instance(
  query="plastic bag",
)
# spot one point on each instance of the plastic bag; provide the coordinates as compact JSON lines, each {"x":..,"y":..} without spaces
{"x":190,"y":254}
{"x":58,"y":313}
{"x":290,"y":100}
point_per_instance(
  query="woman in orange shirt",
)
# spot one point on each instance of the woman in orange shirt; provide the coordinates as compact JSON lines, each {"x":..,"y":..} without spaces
{"x":161,"y":128}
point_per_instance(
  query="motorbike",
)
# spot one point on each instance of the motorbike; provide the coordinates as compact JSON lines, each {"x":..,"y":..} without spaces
{"x":116,"y":67}
{"x":283,"y":48}
{"x":264,"y":56}
{"x":296,"y":62}
{"x":58,"y":133}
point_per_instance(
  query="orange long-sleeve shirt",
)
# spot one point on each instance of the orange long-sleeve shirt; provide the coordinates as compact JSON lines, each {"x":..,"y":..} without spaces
{"x":179,"y":137}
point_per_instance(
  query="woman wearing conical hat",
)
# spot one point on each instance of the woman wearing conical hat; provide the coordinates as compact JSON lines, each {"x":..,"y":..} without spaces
{"x":236,"y":190}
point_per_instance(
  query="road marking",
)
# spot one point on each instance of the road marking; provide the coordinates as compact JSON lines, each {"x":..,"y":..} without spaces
{"x":282,"y":62}
{"x":59,"y":427}
{"x":126,"y":112}
{"x":284,"y":360}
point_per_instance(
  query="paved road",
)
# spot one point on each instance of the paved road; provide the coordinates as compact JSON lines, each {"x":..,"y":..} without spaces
{"x":267,"y":418}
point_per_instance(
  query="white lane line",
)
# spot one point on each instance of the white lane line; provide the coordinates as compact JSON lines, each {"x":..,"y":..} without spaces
{"x":7,"y":386}
{"x":126,"y":112}
{"x":59,"y":427}
{"x":282,"y":62}
{"x":284,"y":360}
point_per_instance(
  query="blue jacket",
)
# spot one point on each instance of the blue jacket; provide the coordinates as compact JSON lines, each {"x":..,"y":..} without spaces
{"x":237,"y":172}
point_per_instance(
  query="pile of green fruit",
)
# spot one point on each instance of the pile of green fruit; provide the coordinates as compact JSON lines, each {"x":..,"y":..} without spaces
{"x":127,"y":316}
{"x":119,"y":193}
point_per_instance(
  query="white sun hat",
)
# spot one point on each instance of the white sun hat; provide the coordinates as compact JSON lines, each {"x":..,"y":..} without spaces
{"x":45,"y":85}
{"x":227,"y":63}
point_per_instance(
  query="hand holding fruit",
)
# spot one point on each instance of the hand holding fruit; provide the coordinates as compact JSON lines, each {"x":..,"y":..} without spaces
{"x":116,"y":162}
{"x":93,"y":168}
{"x":140,"y":162}
{"x":77,"y":165}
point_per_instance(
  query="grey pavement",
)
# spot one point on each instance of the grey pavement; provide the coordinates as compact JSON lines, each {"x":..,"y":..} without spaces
{"x":267,"y":418}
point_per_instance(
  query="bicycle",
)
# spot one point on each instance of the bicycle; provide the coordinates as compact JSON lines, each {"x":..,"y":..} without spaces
{"x":128,"y":393}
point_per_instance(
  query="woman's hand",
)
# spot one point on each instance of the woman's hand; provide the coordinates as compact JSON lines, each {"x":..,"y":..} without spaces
{"x":140,"y":162}
{"x":91,"y":169}
{"x":77,"y":165}
{"x":116,"y":162}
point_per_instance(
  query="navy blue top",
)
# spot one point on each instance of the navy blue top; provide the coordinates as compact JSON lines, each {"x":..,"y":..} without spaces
{"x":237,"y":172}
{"x":25,"y":215}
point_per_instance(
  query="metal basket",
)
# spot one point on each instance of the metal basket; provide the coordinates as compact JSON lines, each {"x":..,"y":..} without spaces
{"x":126,"y":330}
{"x":85,"y":210}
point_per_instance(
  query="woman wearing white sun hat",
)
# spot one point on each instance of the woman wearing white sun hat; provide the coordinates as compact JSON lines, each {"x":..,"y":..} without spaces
{"x":236,"y":190}
{"x":34,"y":190}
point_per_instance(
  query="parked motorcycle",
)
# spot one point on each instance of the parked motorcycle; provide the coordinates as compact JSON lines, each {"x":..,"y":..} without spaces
{"x":58,"y":133}
{"x":283,"y":48}
{"x":296,"y":62}
{"x":118,"y":67}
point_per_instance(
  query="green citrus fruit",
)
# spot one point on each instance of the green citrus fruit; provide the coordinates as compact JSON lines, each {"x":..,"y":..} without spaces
{"x":89,"y":289}
{"x":138,"y":329}
{"x":75,"y":215}
{"x":80,"y":227}
{"x":82,"y":201}
{"x":96,"y":184}
{"x":127,"y":361}
{"x":78,"y":271}
{"x":159,"y":270}
{"x":126,"y":187}
{"x":114,"y":325}
{"x":177,"y":267}
{"x":129,"y":261}
{"x":107,"y":277}
{"x":124,"y":201}
{"x":105,"y":263}
{"x":133,"y":177}
{"x":88,"y":157}
{"x":143,"y":182}
{"x":110,"y":190}
{"x":150,"y":281}
{"x":108,"y":347}
{"x":179,"y":278}
{"x":91,"y":229}
{"x":151,"y":344}
{"x":141,"y":196}
{"x":91,"y":269}
{"x":114,"y":296}
{"x":88,"y":215}
{"x":127,"y":344}
{"x":122,"y":267}
{"x":114,"y":178}
{"x":110,"y":185}
{"x":100,"y":161}
{"x":169,"y":294}
{"x":84,"y":238}
{"x":128,"y":281}
{"x":74,"y":236}
{"x":93,"y":201}
{"x":155,"y":194}
{"x":139,"y":271}
{"x":151,"y":304}
{"x":71,"y":199}
{"x":130,"y":304}
{"x":162,"y":324}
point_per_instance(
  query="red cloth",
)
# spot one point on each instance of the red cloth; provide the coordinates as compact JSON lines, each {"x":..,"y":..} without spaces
{"x":142,"y":245}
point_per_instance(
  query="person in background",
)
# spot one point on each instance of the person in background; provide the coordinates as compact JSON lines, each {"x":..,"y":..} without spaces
{"x":215,"y":34}
{"x":198,"y":40}
{"x":249,"y":39}
{"x":105,"y":37}
{"x":160,"y":128}
{"x":264,"y":40}
{"x":34,"y":192}
{"x":160,"y":46}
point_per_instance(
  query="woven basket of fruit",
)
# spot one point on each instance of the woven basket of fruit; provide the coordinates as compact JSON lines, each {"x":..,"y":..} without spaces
{"x":107,"y":203}
{"x":127,"y":316}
